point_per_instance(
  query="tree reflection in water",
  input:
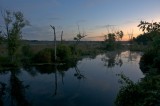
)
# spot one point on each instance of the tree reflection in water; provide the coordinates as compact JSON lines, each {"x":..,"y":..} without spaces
{"x":14,"y":90}
{"x":132,"y":56}
{"x":112,"y":58}
{"x":54,"y":76}
{"x":2,"y":92}
{"x":17,"y":91}
{"x":59,"y":69}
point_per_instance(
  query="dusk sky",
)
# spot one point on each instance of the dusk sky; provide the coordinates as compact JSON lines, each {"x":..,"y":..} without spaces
{"x":93,"y":16}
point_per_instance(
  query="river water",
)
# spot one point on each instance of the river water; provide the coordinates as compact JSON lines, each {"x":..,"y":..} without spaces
{"x":93,"y":81}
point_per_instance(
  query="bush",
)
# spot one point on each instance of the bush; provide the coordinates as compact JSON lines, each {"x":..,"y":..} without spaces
{"x":63,"y":52}
{"x":147,"y":60}
{"x":47,"y":55}
{"x":110,"y":46}
{"x":44,"y":56}
{"x":144,"y":93}
{"x":27,"y":55}
{"x":26,"y":51}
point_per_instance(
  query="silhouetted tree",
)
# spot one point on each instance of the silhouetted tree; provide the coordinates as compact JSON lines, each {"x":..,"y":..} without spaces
{"x":14,"y":23}
{"x":119,"y":35}
{"x":149,"y":27}
{"x":77,"y":39}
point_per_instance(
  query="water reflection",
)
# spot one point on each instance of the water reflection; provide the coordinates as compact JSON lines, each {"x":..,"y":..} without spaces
{"x":17,"y":90}
{"x":2,"y":92}
{"x":14,"y":90}
{"x":55,"y":91}
{"x":62,"y":84}
{"x":78,"y":73}
{"x":114,"y":58}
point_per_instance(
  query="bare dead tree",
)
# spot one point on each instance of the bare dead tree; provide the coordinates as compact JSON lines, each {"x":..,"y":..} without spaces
{"x":55,"y":56}
{"x":130,"y":35}
{"x":61,"y":37}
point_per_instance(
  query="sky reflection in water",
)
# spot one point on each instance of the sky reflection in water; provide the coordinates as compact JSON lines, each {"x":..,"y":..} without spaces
{"x":93,"y":82}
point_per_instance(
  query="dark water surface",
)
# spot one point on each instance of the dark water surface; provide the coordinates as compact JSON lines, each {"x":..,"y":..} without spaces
{"x":92,"y":82}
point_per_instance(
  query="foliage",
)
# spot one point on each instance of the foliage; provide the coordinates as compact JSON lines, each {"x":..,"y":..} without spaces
{"x":111,"y":39}
{"x":148,"y":89}
{"x":1,"y":37}
{"x":119,"y":35}
{"x":26,"y":50}
{"x":146,"y":38}
{"x":14,"y":23}
{"x":64,"y":52}
{"x":27,"y":54}
{"x":151,"y":59}
{"x":149,"y":27}
{"x":77,"y":39}
{"x":47,"y":55}
{"x":147,"y":59}
{"x":44,"y":56}
{"x":142,"y":39}
{"x":110,"y":46}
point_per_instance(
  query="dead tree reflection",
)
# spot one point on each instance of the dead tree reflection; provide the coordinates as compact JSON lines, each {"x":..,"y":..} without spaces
{"x":56,"y":83}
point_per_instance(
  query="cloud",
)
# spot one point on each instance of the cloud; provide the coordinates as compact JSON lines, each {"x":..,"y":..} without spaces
{"x":103,"y":26}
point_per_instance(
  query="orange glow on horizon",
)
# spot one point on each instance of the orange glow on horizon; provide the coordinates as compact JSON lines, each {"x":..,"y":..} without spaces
{"x":99,"y":34}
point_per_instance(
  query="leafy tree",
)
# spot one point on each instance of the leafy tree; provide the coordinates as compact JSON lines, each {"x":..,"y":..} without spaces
{"x":151,"y":59}
{"x":1,"y":37}
{"x":112,"y":37}
{"x":14,"y":23}
{"x":77,"y":39}
{"x":151,"y":30}
{"x":149,"y":27}
{"x":147,"y":89}
{"x":119,"y":35}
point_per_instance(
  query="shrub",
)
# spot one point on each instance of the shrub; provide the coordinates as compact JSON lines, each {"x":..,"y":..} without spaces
{"x":26,"y":51}
{"x":47,"y":55}
{"x":63,"y":52}
{"x":147,"y":60}
{"x":147,"y":91}
{"x":44,"y":56}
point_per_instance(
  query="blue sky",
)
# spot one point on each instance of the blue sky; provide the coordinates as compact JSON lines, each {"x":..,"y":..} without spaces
{"x":93,"y":16}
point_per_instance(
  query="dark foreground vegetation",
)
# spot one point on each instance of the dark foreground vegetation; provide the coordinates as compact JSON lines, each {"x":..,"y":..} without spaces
{"x":147,"y":91}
